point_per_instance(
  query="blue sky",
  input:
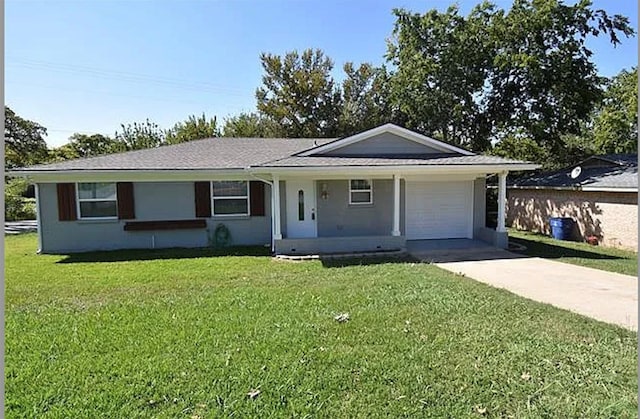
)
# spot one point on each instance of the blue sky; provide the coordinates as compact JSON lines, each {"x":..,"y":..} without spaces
{"x":88,"y":66}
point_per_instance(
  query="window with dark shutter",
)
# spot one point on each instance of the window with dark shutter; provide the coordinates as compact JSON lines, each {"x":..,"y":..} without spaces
{"x":203,"y":199}
{"x":256,"y":196}
{"x":126,"y":210}
{"x":67,"y":210}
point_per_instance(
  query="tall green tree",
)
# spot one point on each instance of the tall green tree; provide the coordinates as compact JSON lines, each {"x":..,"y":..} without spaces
{"x":299,"y":93}
{"x":62,"y":153}
{"x":521,"y":73}
{"x":615,"y":124}
{"x":443,"y":61}
{"x":23,"y":140}
{"x":365,"y":99}
{"x":194,"y":128}
{"x":91,"y":145}
{"x":543,"y":79}
{"x":139,"y":135}
{"x":251,"y":125}
{"x":84,"y":145}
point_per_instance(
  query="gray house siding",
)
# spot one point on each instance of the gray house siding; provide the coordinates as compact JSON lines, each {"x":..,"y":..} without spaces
{"x":153,"y":202}
{"x":336,"y":218}
{"x":164,"y":201}
{"x":247,"y":230}
{"x":386,"y":143}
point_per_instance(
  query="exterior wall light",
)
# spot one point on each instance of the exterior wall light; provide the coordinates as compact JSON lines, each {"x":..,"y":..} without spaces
{"x":324,"y":190}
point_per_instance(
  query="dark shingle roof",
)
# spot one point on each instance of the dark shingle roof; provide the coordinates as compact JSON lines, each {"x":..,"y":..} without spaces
{"x":242,"y":153}
{"x":211,"y":153}
{"x":611,"y":171}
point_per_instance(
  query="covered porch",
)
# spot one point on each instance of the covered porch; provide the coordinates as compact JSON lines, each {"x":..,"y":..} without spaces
{"x":382,"y":213}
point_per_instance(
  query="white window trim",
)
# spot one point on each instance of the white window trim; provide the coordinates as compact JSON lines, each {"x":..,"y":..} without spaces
{"x":78,"y":200}
{"x":239,"y":214}
{"x":370,"y":190}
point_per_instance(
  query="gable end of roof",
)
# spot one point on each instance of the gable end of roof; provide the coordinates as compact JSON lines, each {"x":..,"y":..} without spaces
{"x":387,"y":128}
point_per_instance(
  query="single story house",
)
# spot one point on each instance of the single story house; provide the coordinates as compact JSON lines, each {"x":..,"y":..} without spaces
{"x":600,"y":194}
{"x":368,"y":192}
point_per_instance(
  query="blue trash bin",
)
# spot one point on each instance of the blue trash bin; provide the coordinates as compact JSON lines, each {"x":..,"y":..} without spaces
{"x":561,"y":228}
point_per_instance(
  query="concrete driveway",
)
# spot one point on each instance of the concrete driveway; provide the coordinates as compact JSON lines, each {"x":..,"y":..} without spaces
{"x":605,"y":296}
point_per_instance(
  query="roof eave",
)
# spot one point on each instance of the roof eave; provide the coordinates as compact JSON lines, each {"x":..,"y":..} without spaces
{"x":456,"y":168}
{"x":140,"y":175}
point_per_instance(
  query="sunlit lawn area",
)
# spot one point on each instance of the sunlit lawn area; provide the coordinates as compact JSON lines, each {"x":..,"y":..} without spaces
{"x":186,"y":333}
{"x":598,"y":257}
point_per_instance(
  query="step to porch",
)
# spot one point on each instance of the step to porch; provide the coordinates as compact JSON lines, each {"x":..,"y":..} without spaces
{"x":343,"y":255}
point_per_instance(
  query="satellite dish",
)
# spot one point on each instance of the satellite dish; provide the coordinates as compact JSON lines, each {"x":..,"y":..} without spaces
{"x":576,"y":172}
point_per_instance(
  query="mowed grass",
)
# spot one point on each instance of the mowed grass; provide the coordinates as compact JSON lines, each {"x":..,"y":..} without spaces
{"x":598,"y":257}
{"x":182,"y":333}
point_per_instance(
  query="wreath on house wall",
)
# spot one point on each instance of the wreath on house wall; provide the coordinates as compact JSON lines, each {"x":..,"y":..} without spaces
{"x":221,"y":236}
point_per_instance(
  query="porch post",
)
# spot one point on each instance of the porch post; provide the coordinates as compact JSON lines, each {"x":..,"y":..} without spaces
{"x":502,"y":199}
{"x":277,"y":233}
{"x":38,"y":218}
{"x":396,"y":206}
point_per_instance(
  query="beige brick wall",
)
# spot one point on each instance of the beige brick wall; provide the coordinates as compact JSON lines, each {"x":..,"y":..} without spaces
{"x":611,"y":216}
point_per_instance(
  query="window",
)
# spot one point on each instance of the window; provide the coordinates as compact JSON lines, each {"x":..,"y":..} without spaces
{"x":300,"y":205}
{"x":360,"y":191}
{"x":230,"y":197}
{"x":97,"y":200}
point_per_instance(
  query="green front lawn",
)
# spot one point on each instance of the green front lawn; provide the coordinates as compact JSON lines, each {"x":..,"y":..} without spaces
{"x":598,"y":257}
{"x":181,"y":333}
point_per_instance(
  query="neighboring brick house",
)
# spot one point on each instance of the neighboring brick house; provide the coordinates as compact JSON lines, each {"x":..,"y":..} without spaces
{"x":600,"y":195}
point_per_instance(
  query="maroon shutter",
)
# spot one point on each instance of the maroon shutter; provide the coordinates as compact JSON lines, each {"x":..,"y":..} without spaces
{"x":203,"y":199}
{"x":126,"y":210}
{"x":256,"y":195}
{"x":67,"y":202}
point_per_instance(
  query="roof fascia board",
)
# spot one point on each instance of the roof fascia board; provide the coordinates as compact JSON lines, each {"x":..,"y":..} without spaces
{"x":601,"y":158}
{"x":486,"y":169}
{"x":132,"y":175}
{"x":53,"y":176}
{"x":390,"y":128}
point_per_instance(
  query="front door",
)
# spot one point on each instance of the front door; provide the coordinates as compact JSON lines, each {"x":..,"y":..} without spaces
{"x":301,"y":209}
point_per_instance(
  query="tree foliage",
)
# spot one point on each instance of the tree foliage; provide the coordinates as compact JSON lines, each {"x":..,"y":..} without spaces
{"x":442,"y":64}
{"x":496,"y":74}
{"x":365,"y":99}
{"x":16,"y":204}
{"x":520,"y":147}
{"x":194,"y":128}
{"x":24,"y":141}
{"x":251,"y":125}
{"x":299,"y":93}
{"x":139,"y":135}
{"x":615,"y":124}
{"x":91,"y":145}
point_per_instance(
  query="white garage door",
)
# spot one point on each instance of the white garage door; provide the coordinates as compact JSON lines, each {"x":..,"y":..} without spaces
{"x":439,"y":210}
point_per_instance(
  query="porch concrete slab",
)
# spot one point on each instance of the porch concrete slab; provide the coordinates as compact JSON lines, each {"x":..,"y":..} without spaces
{"x":605,"y":296}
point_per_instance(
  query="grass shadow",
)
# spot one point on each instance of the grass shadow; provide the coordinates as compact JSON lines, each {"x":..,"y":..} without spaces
{"x":343,"y":262}
{"x":551,"y":251}
{"x":130,"y":255}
